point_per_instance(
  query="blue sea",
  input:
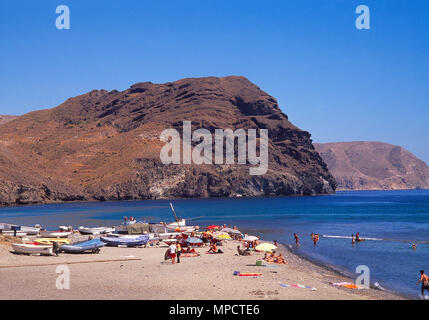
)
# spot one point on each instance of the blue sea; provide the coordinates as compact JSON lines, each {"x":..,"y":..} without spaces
{"x":401,"y":217}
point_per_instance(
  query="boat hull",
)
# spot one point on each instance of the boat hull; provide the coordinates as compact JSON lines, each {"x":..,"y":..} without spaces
{"x":32,"y":249}
{"x":125,"y":241}
{"x":84,"y":246}
{"x":55,"y":234}
{"x":50,"y":241}
{"x":101,"y":230}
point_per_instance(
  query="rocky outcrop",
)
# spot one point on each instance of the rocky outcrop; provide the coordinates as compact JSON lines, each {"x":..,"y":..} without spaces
{"x":373,"y":166}
{"x":105,"y":145}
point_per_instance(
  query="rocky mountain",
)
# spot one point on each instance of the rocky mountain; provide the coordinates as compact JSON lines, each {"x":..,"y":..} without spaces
{"x":373,"y":166}
{"x":105,"y":145}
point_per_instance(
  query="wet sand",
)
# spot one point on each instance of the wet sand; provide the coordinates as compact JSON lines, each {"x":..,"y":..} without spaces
{"x":142,"y":273}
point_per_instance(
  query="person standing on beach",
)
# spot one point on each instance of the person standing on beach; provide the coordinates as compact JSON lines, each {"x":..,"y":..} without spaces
{"x":296,"y":240}
{"x":424,"y":279}
{"x":172,"y":249}
{"x":179,"y":251}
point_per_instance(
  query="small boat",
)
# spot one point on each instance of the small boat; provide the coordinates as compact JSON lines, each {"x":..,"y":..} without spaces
{"x":98,"y":230}
{"x":126,"y":241}
{"x":26,"y":248}
{"x":168,"y":235}
{"x":93,"y":245}
{"x":12,"y":233}
{"x":6,"y":227}
{"x":55,"y":234}
{"x":31,"y":231}
{"x":179,"y":229}
{"x":50,"y":241}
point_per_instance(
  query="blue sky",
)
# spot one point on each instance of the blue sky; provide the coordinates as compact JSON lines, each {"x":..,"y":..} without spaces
{"x":338,"y":82}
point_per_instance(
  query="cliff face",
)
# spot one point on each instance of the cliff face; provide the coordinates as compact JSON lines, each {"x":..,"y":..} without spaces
{"x":373,"y":166}
{"x":106,"y":146}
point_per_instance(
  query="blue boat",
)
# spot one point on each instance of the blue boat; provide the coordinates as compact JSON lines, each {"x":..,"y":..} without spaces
{"x":125,"y":241}
{"x":93,"y":245}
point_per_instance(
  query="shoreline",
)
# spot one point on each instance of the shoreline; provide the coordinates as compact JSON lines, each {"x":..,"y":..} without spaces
{"x":341,"y":273}
{"x":143,"y":274}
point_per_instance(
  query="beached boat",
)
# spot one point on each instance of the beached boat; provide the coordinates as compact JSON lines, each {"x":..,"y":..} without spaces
{"x":25,"y":248}
{"x":23,"y":229}
{"x":126,"y":241}
{"x":168,"y":235}
{"x":50,"y":241}
{"x":93,"y":245}
{"x":13,"y":234}
{"x":97,"y":230}
{"x":180,"y":229}
{"x":55,"y":234}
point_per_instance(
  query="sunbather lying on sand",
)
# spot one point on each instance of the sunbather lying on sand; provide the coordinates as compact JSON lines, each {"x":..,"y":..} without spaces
{"x":280,"y":259}
{"x":190,"y":250}
{"x":270,"y":257}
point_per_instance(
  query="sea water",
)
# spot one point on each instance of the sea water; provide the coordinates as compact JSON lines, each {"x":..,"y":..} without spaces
{"x":401,"y":217}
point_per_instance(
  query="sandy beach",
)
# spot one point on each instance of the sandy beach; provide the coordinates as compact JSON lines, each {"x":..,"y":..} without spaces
{"x":142,"y":273}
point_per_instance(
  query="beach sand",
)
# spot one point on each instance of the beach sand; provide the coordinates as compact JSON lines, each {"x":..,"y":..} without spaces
{"x":148,"y":276}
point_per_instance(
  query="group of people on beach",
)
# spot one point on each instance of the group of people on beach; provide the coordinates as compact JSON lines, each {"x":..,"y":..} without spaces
{"x":272,"y":257}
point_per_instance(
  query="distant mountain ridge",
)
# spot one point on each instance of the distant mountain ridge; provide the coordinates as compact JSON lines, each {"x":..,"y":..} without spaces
{"x":105,"y":145}
{"x":6,"y":118}
{"x":373,"y":166}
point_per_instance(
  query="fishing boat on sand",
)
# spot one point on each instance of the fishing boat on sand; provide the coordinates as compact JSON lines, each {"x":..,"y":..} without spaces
{"x":55,"y":234}
{"x":8,"y":228}
{"x":93,"y":246}
{"x":96,"y":230}
{"x":50,"y":241}
{"x":126,"y":241}
{"x":28,"y":248}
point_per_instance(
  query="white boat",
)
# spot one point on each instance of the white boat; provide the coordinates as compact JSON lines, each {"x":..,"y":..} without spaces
{"x":31,"y":231}
{"x":55,"y":234}
{"x":5,"y":227}
{"x":98,"y":230}
{"x":168,"y":235}
{"x":179,"y":229}
{"x":179,"y":223}
{"x":12,"y":233}
{"x":127,"y":236}
{"x":32,"y":248}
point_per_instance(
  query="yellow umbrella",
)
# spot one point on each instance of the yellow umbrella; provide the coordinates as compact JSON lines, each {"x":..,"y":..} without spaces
{"x":223,"y":237}
{"x":267,"y":247}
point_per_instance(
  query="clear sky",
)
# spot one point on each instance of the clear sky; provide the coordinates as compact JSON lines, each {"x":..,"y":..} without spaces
{"x":338,"y":82}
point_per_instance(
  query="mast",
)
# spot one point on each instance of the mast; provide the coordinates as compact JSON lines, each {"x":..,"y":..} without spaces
{"x":175,"y":217}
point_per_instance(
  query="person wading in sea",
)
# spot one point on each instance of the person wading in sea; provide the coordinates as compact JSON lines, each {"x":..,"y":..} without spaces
{"x":296,"y":240}
{"x":424,"y":279}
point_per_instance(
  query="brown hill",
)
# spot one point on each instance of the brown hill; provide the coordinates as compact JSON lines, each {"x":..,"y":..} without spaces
{"x":105,"y":145}
{"x":373,"y":166}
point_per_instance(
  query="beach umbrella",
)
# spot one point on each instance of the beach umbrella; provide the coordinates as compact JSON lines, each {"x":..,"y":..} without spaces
{"x":223,"y":237}
{"x":212,"y":227}
{"x":235,"y":231}
{"x":194,"y":240}
{"x":220,"y":233}
{"x":267,"y":247}
{"x":250,"y":238}
{"x":228,"y":230}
